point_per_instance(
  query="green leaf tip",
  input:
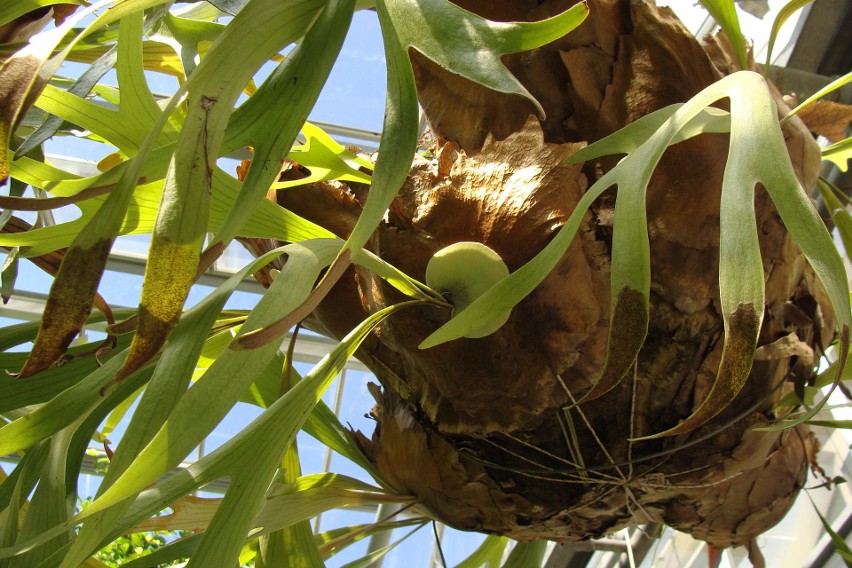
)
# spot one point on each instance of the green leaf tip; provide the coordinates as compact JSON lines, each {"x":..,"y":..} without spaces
{"x":470,"y":46}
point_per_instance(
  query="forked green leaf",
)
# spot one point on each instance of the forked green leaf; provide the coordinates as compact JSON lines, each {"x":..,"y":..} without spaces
{"x":127,"y":126}
{"x":462,"y":43}
{"x":632,"y":136}
{"x":740,"y":265}
{"x":631,"y":271}
{"x":322,"y":151}
{"x":81,"y":87}
{"x":471,"y":46}
{"x":757,"y":155}
{"x":325,"y":158}
{"x":185,"y":36}
{"x":761,"y":158}
{"x":27,"y":71}
{"x":104,"y":122}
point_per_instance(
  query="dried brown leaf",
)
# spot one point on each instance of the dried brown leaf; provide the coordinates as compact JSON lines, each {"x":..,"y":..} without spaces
{"x":827,"y":118}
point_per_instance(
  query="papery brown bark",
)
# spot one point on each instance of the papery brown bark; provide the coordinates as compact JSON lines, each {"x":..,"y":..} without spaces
{"x":479,"y":429}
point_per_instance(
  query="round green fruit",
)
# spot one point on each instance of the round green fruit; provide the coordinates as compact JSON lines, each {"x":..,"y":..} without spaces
{"x":462,"y":272}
